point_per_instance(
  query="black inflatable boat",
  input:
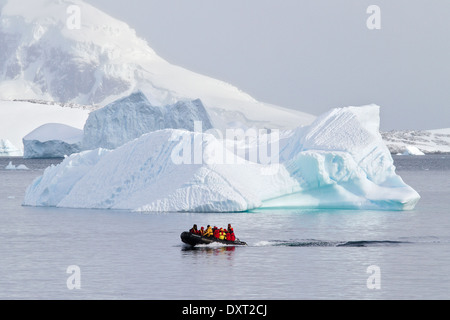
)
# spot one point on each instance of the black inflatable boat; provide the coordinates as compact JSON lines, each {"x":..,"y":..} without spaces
{"x":195,"y":239}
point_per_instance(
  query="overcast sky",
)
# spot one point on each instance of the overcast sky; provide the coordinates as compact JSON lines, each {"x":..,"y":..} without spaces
{"x":310,"y":55}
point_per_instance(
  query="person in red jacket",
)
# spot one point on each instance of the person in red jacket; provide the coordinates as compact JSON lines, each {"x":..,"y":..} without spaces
{"x":217,"y":233}
{"x":194,"y":229}
{"x":231,"y":232}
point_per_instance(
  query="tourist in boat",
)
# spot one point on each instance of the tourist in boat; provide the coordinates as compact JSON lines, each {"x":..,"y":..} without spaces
{"x":222,"y":234}
{"x":208,"y":232}
{"x":194,"y":229}
{"x":217,"y":233}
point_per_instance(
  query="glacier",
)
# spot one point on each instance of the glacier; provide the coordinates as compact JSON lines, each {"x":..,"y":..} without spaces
{"x":52,"y":140}
{"x":418,"y":142}
{"x":339,"y":161}
{"x":42,"y":59}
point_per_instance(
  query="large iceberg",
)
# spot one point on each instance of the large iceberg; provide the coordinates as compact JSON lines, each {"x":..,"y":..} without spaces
{"x":52,"y":140}
{"x":340,"y":161}
{"x":128,"y":118}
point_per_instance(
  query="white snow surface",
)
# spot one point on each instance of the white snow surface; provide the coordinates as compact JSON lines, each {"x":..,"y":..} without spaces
{"x":339,"y":161}
{"x":52,"y":140}
{"x":19,"y":118}
{"x":44,"y":57}
{"x":418,"y":142}
{"x":412,"y":151}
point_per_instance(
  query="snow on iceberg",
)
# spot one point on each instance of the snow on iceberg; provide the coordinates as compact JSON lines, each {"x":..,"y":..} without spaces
{"x":7,"y":149}
{"x":144,"y":175}
{"x":340,"y":161}
{"x":52,"y":140}
{"x":128,"y":118}
{"x":57,"y":181}
{"x":412,"y":151}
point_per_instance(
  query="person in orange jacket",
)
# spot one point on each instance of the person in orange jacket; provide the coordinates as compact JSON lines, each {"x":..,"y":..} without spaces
{"x":208,"y":232}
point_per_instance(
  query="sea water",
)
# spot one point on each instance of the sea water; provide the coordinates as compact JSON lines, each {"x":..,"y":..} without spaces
{"x":50,"y":253}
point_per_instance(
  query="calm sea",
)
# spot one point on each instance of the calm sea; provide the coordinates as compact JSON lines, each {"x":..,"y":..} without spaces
{"x":49,"y":253}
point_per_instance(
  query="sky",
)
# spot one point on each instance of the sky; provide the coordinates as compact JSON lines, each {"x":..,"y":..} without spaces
{"x":310,"y":55}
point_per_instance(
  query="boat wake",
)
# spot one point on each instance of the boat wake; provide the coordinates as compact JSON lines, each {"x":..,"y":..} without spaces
{"x":322,"y":243}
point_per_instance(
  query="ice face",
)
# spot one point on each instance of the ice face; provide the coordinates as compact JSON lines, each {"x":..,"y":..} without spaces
{"x":340,"y":161}
{"x":128,"y":118}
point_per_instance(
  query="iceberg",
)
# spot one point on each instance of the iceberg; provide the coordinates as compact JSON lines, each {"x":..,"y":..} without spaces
{"x":19,"y":118}
{"x":339,"y":161}
{"x":128,"y":118}
{"x":7,"y":149}
{"x":412,"y":151}
{"x":52,"y":140}
{"x":10,"y":166}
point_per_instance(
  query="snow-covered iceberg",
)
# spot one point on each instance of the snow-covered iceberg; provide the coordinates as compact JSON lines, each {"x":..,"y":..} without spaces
{"x":340,"y":161}
{"x":19,"y":118}
{"x":412,"y":151}
{"x":128,"y":118}
{"x":7,"y":149}
{"x":52,"y":140}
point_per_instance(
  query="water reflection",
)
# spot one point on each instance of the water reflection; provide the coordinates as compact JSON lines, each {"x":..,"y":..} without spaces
{"x":227,"y":251}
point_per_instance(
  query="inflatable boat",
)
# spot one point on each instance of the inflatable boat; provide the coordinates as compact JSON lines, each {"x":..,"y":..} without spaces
{"x":195,"y":239}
